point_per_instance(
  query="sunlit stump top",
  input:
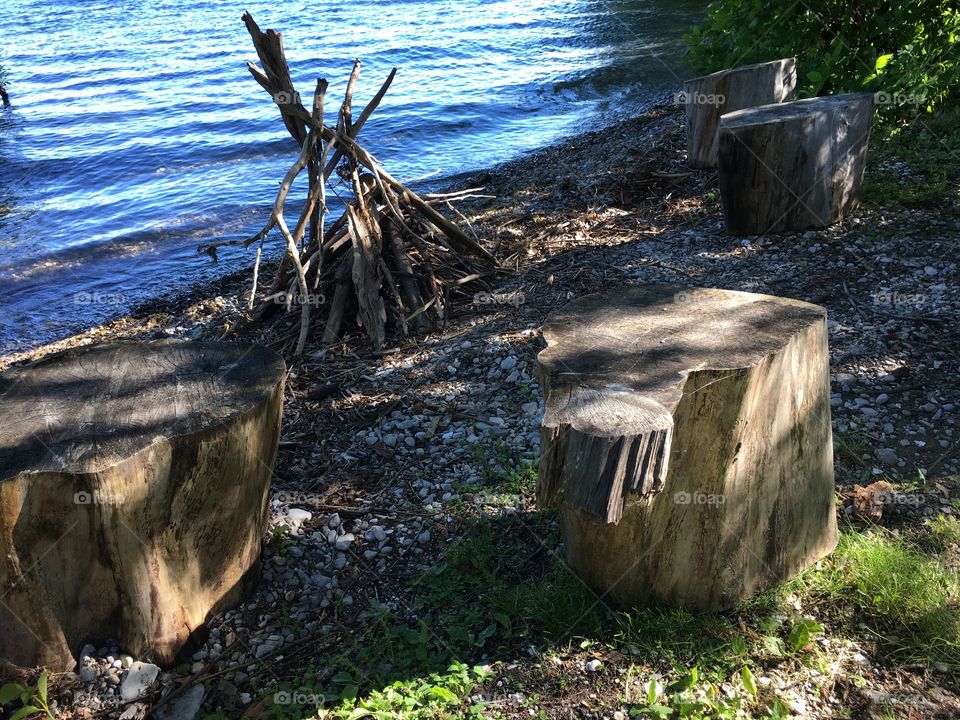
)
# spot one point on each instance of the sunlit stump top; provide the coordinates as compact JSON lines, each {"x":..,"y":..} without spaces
{"x":616,"y":365}
{"x":86,"y":409}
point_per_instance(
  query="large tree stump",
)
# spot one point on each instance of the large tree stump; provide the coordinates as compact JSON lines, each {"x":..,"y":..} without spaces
{"x":795,"y":165}
{"x":133,"y":492}
{"x":687,"y":442}
{"x":709,"y":97}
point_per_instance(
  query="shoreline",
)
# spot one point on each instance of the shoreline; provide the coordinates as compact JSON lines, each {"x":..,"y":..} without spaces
{"x":190,"y":301}
{"x":426,"y":457}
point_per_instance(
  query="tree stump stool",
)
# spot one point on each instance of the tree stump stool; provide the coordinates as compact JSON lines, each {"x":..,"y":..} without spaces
{"x":133,"y":494}
{"x":709,"y":97}
{"x":686,"y":442}
{"x":794,"y":165}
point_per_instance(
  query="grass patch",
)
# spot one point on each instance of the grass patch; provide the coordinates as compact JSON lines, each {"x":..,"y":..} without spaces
{"x":944,"y":532}
{"x":908,"y":600}
{"x":929,"y":147}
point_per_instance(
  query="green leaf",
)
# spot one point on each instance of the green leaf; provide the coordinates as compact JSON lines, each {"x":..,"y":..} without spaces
{"x":739,"y":646}
{"x":358,"y":713}
{"x":9,"y":691}
{"x":748,"y":682}
{"x":815,"y":76}
{"x":25,"y":712}
{"x":485,"y":634}
{"x":42,"y":687}
{"x":803,"y":632}
{"x":652,"y":692}
{"x":686,"y":682}
{"x":661,"y":710}
{"x":882,"y":62}
{"x":441,"y":693}
{"x":773,"y":645}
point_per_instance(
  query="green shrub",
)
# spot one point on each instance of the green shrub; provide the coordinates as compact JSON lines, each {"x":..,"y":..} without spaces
{"x":906,"y":51}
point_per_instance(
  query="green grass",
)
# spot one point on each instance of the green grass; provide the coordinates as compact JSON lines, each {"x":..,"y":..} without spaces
{"x":908,"y":600}
{"x":945,"y":532}
{"x":497,"y":595}
{"x":930,"y":147}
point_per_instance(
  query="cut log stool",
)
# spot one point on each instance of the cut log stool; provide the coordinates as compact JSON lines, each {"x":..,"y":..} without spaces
{"x":686,"y":442}
{"x":134,"y":483}
{"x":795,"y":165}
{"x":707,"y":98}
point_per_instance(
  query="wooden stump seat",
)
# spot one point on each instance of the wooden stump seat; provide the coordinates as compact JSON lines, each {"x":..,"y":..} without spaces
{"x":133,"y":493}
{"x":795,"y":165}
{"x":686,"y":442}
{"x":707,"y":98}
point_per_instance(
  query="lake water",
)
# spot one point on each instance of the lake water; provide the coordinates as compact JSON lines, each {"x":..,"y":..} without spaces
{"x":136,"y":132}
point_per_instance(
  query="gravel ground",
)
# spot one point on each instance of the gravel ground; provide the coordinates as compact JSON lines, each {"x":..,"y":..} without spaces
{"x":378,"y":463}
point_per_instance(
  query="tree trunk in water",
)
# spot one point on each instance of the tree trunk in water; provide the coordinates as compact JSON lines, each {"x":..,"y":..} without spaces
{"x":687,"y":442}
{"x":133,"y":494}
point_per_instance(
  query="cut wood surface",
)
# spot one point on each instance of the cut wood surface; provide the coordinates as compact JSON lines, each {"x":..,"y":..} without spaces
{"x":133,"y":492}
{"x":686,"y":441}
{"x":709,"y":97}
{"x":793,"y":165}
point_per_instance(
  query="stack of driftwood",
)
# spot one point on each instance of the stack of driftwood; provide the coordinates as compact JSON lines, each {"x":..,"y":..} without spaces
{"x":391,"y":259}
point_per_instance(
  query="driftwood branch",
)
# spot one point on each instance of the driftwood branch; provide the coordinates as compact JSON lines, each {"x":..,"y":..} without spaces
{"x":392,"y":258}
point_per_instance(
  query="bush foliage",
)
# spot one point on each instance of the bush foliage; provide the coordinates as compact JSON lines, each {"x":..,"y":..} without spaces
{"x":909,"y":52}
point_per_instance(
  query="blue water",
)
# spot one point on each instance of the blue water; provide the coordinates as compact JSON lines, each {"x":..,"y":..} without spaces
{"x":136,"y":132}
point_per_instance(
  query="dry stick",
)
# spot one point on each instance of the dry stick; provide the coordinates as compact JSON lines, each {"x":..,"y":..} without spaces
{"x":366,"y":279}
{"x":345,"y":120}
{"x":450,"y":229}
{"x":392,"y":286}
{"x":406,"y":278}
{"x":323,"y":215}
{"x":340,"y":297}
{"x":256,"y":273}
{"x":462,"y":217}
{"x":315,"y":167}
{"x":455,"y":195}
{"x":434,"y":284}
{"x":315,"y":188}
{"x":364,"y":116}
{"x":292,"y":242}
{"x":275,"y":76}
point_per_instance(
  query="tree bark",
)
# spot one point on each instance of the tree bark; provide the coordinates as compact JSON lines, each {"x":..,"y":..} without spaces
{"x":133,"y":494}
{"x":709,"y":97}
{"x":687,"y":442}
{"x":795,"y":165}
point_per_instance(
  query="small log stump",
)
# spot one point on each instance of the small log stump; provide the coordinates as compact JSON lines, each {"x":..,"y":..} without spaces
{"x":709,"y":97}
{"x":686,"y":442}
{"x":133,"y":494}
{"x":794,"y":165}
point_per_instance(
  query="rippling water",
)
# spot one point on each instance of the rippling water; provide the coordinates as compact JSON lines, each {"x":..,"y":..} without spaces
{"x":136,"y":132}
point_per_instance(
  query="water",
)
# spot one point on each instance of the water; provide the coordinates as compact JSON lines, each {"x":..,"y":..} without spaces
{"x":137,"y":133}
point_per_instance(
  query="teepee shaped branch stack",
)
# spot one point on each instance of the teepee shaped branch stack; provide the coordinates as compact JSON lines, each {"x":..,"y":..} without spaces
{"x":391,"y":259}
